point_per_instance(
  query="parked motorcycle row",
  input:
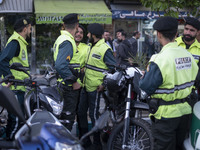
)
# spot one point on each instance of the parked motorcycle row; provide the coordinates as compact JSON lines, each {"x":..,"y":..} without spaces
{"x":121,"y":123}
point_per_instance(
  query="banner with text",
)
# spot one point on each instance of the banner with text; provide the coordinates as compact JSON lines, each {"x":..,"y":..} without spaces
{"x":135,"y":14}
{"x":83,"y":18}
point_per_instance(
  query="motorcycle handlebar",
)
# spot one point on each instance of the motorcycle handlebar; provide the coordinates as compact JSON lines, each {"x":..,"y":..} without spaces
{"x":118,"y":67}
{"x":26,"y":82}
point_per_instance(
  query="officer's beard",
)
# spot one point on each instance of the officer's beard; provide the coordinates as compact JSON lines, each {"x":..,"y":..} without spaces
{"x":77,"y":41}
{"x":91,"y":40}
{"x":188,"y":37}
{"x":28,"y":37}
{"x":119,"y":40}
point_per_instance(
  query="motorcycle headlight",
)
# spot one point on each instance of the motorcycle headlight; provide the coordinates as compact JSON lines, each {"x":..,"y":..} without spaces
{"x":57,"y":107}
{"x":63,"y":146}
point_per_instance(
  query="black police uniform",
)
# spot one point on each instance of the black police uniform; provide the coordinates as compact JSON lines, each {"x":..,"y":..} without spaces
{"x":164,"y":129}
{"x":89,"y":100}
{"x":11,"y":50}
{"x":62,"y":67}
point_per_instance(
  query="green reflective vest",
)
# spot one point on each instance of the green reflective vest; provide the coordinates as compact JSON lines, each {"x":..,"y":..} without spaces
{"x":194,"y":48}
{"x":179,"y":70}
{"x":82,"y":52}
{"x":21,"y":58}
{"x":95,"y":66}
{"x":66,"y":36}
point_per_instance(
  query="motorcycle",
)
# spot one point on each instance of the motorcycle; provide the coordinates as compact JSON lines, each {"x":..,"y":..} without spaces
{"x":125,"y":102}
{"x":42,"y":130}
{"x":47,"y":92}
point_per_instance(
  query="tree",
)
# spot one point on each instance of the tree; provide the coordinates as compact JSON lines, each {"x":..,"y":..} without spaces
{"x":173,"y":7}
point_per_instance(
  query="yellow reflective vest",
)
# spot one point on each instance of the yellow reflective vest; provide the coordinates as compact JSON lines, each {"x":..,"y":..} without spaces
{"x":21,"y":58}
{"x":194,"y":48}
{"x":82,"y":52}
{"x":179,"y":70}
{"x":95,"y":66}
{"x":66,"y":36}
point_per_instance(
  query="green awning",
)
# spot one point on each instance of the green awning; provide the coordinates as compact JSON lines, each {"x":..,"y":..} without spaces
{"x":90,"y":11}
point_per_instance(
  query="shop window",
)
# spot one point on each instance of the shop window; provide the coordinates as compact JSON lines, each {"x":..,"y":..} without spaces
{"x":150,"y":45}
{"x":129,"y":26}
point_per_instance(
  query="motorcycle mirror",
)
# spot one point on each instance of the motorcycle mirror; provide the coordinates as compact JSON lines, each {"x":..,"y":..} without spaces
{"x":9,"y":101}
{"x":103,"y":119}
{"x":99,"y":124}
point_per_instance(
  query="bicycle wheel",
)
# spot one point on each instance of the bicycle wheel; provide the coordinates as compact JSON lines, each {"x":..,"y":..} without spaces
{"x":139,"y":138}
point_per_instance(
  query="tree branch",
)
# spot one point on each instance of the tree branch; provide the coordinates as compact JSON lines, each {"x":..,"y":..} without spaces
{"x":197,"y":12}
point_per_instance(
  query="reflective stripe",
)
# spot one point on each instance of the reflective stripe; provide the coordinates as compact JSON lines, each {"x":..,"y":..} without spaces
{"x":196,"y":56}
{"x":75,"y":65}
{"x":178,"y":87}
{"x":96,"y":68}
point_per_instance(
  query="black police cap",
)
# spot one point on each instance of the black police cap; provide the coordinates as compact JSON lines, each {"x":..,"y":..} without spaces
{"x":166,"y":24}
{"x":21,"y":23}
{"x":193,"y":22}
{"x":71,"y":18}
{"x":95,"y":29}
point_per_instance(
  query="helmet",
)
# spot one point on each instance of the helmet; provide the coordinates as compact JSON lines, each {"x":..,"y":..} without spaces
{"x":115,"y":82}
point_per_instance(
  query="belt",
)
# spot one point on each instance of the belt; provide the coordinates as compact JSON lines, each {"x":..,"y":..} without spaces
{"x":155,"y":103}
{"x":176,"y":101}
{"x":65,"y":87}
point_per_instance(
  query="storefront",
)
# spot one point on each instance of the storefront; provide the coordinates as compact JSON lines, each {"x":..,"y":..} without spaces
{"x":49,"y":15}
{"x":10,"y":11}
{"x":90,"y":11}
{"x":15,"y":9}
{"x":133,"y":17}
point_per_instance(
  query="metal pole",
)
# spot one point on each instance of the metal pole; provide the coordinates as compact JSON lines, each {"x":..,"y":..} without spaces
{"x":2,"y":29}
{"x":33,"y":50}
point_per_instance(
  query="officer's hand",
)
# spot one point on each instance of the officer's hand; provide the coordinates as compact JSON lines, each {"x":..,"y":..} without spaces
{"x":8,"y":85}
{"x":83,"y":69}
{"x":100,"y":88}
{"x":76,"y":86}
{"x":130,"y":60}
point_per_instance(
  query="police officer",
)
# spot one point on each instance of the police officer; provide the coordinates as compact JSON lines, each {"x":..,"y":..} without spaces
{"x":65,"y":56}
{"x":16,"y":52}
{"x":188,"y":40}
{"x":82,"y":48}
{"x":98,"y":56}
{"x":169,"y":80}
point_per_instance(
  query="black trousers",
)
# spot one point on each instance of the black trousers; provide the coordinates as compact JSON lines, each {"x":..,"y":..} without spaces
{"x":71,"y":98}
{"x":169,"y":134}
{"x":88,"y":101}
{"x":13,"y":122}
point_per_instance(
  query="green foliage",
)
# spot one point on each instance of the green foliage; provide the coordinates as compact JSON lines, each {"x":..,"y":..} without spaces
{"x":10,"y":29}
{"x":173,"y":7}
{"x":140,"y":60}
{"x":45,"y":37}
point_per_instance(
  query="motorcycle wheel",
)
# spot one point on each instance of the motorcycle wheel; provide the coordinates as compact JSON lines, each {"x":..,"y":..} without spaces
{"x":140,"y":136}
